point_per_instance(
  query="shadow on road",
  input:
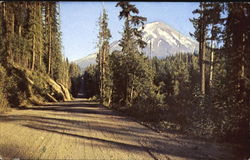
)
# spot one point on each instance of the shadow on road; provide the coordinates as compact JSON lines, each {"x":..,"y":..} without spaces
{"x":76,"y":117}
{"x":82,"y":106}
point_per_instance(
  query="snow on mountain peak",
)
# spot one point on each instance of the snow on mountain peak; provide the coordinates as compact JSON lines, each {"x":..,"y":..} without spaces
{"x":164,"y":41}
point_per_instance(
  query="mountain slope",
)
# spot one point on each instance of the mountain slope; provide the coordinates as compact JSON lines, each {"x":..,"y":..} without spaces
{"x":86,"y":61}
{"x":166,"y":41}
{"x":163,"y":39}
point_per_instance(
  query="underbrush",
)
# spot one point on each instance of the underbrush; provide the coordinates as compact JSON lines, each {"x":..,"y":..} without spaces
{"x":195,"y":116}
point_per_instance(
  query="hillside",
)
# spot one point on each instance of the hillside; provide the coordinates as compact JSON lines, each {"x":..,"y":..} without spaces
{"x":26,"y":88}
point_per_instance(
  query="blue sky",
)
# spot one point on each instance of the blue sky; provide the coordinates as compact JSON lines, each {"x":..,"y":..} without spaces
{"x":79,"y":22}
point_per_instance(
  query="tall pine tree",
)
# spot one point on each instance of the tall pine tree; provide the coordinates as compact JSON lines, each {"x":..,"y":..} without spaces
{"x":102,"y":59}
{"x":136,"y":73}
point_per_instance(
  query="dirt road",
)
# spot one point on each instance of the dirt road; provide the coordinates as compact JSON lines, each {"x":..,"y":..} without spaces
{"x":84,"y":130}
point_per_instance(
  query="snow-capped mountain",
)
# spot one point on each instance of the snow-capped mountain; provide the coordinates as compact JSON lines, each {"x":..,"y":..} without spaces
{"x":86,"y":61}
{"x":163,"y":39}
{"x":166,"y":41}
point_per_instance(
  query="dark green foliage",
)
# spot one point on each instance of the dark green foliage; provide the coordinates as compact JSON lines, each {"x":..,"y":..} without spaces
{"x":30,"y":45}
{"x":226,"y":106}
{"x":102,"y":59}
{"x":237,"y":67}
{"x":117,"y":67}
{"x":90,"y":78}
{"x":205,"y":95}
{"x":130,"y":13}
{"x":132,"y":72}
{"x":74,"y":73}
{"x":174,"y":78}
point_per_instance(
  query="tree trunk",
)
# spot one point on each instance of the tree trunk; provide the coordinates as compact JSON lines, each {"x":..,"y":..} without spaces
{"x":131,"y":94}
{"x":34,"y":40}
{"x":50,"y":39}
{"x":203,"y":78}
{"x":20,"y":30}
{"x":103,"y":69}
{"x":100,"y":71}
{"x":12,"y":23}
{"x":12,"y":32}
{"x":33,"y":53}
{"x":4,"y":26}
{"x":211,"y":66}
{"x":202,"y":53}
{"x":4,"y":17}
{"x":242,"y":71}
{"x":39,"y":38}
{"x":110,"y":96}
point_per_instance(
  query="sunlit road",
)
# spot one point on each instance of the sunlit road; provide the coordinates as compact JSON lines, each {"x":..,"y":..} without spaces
{"x":84,"y":130}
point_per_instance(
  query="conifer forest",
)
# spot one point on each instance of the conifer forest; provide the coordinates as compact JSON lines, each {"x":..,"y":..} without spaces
{"x":188,"y":105}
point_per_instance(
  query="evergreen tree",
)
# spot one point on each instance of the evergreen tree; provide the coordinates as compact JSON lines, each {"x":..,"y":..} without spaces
{"x":200,"y":35}
{"x":91,"y":78}
{"x":31,"y":38}
{"x":74,"y":74}
{"x":48,"y":13}
{"x":208,"y":30}
{"x":102,"y":59}
{"x":135,"y":74}
{"x":237,"y":63}
{"x":34,"y":35}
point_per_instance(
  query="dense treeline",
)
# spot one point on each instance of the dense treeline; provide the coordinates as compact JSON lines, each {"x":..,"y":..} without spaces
{"x":30,"y":39}
{"x":205,"y":94}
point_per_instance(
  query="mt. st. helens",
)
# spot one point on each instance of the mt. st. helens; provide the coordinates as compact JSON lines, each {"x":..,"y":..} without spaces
{"x":164,"y":41}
